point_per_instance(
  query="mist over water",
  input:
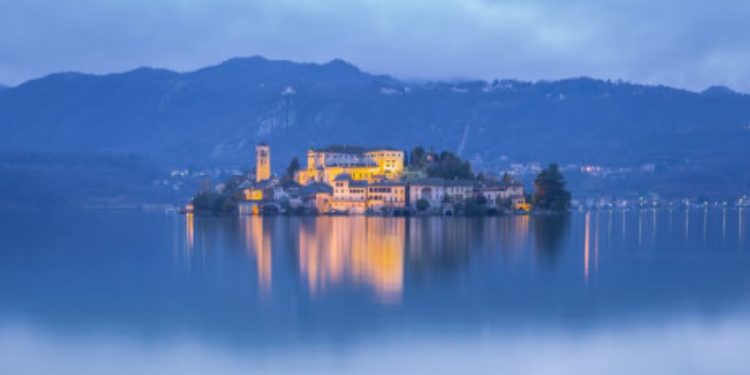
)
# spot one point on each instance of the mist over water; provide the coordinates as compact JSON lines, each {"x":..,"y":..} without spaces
{"x":621,"y":292}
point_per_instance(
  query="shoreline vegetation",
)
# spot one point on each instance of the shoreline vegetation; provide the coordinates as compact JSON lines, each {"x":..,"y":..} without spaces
{"x":380,"y":181}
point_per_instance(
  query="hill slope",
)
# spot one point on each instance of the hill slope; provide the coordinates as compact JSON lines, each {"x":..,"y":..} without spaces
{"x":213,"y":116}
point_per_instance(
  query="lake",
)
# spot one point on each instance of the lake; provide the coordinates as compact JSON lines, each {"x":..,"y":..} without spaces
{"x":649,"y":291}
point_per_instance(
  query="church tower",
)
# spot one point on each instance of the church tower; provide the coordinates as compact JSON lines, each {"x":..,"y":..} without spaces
{"x":262,"y":162}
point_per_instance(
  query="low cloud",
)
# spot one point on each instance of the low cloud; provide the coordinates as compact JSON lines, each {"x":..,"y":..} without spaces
{"x":686,"y":43}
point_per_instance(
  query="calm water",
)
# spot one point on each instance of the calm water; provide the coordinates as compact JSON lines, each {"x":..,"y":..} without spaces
{"x":634,"y":292}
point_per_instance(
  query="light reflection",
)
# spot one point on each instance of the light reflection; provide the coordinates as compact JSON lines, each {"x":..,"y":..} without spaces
{"x":586,"y":236}
{"x":596,"y":243}
{"x":514,"y":232}
{"x":258,"y":243}
{"x":373,"y":252}
{"x":741,"y":229}
{"x":190,"y":231}
{"x":640,"y":227}
{"x":365,"y":250}
{"x":670,"y":221}
{"x":705,"y":225}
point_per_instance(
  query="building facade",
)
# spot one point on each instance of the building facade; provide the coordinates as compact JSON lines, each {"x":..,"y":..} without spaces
{"x":511,"y":192}
{"x":386,"y":195}
{"x":437,"y":191}
{"x":324,"y":165}
{"x":262,"y":162}
{"x":357,"y":197}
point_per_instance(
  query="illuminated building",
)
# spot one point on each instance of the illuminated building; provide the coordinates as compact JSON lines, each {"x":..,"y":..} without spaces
{"x":349,"y":195}
{"x":253,"y":194}
{"x":510,"y":190}
{"x":386,"y":194}
{"x":251,"y":205}
{"x":324,"y":165}
{"x":262,"y":162}
{"x":356,"y":197}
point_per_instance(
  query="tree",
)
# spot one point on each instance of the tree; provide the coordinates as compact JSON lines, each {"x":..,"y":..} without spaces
{"x":549,"y":190}
{"x":418,"y":157}
{"x":291,"y":169}
{"x":450,"y":167}
{"x":215,"y":203}
{"x":476,"y":205}
{"x":506,"y":204}
{"x":423,"y":205}
{"x":481,"y":200}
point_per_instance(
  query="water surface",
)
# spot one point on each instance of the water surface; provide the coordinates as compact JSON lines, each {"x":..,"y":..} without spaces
{"x":621,"y":292}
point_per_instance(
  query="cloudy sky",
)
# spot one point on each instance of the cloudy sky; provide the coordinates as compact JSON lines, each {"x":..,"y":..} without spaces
{"x":684,"y":43}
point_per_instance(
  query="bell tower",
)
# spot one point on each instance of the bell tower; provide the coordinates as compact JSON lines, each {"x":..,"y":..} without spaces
{"x":262,"y":162}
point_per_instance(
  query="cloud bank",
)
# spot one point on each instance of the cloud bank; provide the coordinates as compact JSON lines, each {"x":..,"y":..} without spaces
{"x":685,"y":43}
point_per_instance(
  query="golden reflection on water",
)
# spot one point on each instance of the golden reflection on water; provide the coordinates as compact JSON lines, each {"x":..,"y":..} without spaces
{"x":258,"y":244}
{"x":373,"y":253}
{"x":586,"y":246}
{"x":514,"y":233}
{"x":190,"y":231}
{"x":363,"y":250}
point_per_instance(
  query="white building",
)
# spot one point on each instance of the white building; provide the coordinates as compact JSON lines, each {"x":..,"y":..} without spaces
{"x":437,"y":191}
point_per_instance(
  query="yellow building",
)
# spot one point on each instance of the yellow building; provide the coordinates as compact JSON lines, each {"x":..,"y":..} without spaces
{"x":384,"y":194}
{"x":253,"y":194}
{"x":390,"y":162}
{"x":349,"y":195}
{"x":251,"y":204}
{"x":356,"y":197}
{"x":262,"y":162}
{"x":324,"y":165}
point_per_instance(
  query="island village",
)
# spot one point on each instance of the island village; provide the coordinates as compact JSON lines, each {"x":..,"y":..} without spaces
{"x":357,"y":180}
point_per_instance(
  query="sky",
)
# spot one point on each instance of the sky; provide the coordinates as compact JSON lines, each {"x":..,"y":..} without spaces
{"x":690,"y":44}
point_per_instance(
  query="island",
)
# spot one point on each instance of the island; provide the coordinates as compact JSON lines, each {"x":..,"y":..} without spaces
{"x":356,"y":180}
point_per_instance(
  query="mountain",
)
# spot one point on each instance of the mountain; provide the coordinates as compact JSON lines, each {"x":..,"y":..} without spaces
{"x":214,"y":116}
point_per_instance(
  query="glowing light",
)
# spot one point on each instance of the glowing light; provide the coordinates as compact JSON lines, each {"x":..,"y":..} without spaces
{"x":253,"y":194}
{"x":189,"y":230}
{"x":258,"y":243}
{"x":365,"y":250}
{"x":586,"y":251}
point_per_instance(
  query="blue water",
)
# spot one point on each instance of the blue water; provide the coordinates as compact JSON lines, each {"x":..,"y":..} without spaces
{"x":652,"y":291}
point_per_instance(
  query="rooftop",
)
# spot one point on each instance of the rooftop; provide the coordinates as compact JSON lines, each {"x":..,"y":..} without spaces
{"x":353,"y":149}
{"x":388,"y":183}
{"x":442,"y":182}
{"x":317,"y":187}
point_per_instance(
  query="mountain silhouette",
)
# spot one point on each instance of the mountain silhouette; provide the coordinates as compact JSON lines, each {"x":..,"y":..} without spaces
{"x":214,"y":116}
